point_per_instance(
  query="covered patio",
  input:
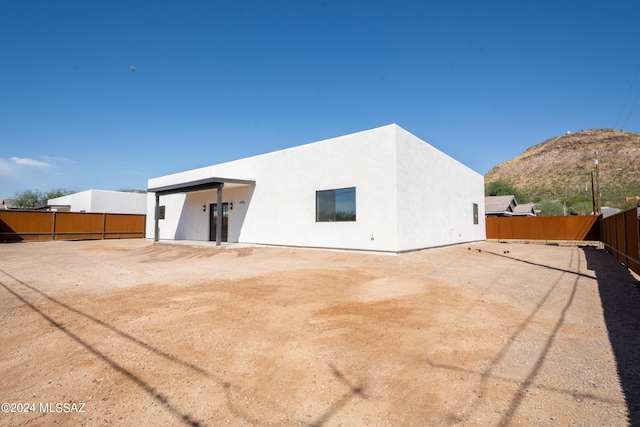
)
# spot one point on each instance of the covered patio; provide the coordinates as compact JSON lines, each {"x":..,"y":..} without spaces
{"x":212,"y":183}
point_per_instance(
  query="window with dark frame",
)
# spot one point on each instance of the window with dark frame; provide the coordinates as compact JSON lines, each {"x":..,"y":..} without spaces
{"x":160,"y":212}
{"x":475,"y":213}
{"x":336,"y":205}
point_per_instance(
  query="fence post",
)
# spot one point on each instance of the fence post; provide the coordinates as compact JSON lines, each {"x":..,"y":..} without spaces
{"x":624,"y":239}
{"x":616,"y":225}
{"x":104,"y":224}
{"x":53,"y":226}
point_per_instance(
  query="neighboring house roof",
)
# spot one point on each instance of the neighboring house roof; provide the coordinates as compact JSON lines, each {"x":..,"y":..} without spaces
{"x":6,"y":204}
{"x":609,"y":211}
{"x":499,"y":205}
{"x":525,"y":210}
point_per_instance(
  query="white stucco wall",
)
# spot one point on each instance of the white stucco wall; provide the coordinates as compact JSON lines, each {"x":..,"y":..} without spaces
{"x":386,"y":166}
{"x":104,"y":202}
{"x":280,"y":209}
{"x":436,"y":194}
{"x":185,"y":218}
{"x":77,"y":202}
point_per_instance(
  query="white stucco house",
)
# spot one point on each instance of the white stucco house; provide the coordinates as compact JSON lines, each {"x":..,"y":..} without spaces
{"x":102,"y":201}
{"x":379,"y":190}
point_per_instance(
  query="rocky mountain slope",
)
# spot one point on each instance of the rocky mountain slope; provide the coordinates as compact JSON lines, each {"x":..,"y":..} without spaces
{"x":561,"y":167}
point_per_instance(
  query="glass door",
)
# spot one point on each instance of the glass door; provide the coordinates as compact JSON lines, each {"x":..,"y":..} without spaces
{"x":213,"y":221}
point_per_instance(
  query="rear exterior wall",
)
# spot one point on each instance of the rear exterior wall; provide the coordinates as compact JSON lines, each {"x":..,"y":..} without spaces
{"x":436,"y":194}
{"x":281,"y":208}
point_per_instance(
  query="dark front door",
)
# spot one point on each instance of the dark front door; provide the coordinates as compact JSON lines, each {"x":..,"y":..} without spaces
{"x":213,"y":221}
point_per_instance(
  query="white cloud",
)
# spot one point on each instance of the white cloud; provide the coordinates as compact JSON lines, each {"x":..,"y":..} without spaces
{"x":57,"y":159}
{"x":7,"y":170}
{"x":30,"y":162}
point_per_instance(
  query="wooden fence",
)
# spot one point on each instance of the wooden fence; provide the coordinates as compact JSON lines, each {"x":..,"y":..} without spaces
{"x":621,"y":237}
{"x":16,"y":226}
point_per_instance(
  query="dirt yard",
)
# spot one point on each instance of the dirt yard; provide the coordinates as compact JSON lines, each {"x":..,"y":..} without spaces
{"x":133,"y":333}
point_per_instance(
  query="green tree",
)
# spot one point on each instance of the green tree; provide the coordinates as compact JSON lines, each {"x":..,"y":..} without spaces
{"x":503,"y":188}
{"x":58,"y":192}
{"x":27,"y":199}
{"x":550,"y":208}
{"x":30,"y":199}
{"x":579,"y":205}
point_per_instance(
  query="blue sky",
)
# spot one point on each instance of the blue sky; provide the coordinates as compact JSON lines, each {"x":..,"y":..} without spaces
{"x":220,"y":80}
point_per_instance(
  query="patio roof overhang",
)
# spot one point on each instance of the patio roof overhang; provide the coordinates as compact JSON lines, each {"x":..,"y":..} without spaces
{"x":198,"y":185}
{"x":211,"y":183}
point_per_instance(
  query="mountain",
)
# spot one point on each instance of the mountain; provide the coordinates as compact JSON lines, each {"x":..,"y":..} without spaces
{"x":560,"y":168}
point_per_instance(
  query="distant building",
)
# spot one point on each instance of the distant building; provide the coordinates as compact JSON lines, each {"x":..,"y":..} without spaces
{"x":101,"y":201}
{"x":499,"y":205}
{"x":507,"y":206}
{"x":528,"y":209}
{"x":607,"y":211}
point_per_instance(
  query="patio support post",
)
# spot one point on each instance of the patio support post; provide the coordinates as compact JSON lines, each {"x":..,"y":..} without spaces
{"x":220,"y":215}
{"x":156,"y":233}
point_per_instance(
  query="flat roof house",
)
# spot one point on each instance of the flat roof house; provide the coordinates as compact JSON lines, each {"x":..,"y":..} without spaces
{"x":102,"y":201}
{"x":381,"y":190}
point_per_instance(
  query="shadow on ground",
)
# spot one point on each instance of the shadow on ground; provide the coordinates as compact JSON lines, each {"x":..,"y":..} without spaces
{"x":620,"y":296}
{"x":233,"y":393}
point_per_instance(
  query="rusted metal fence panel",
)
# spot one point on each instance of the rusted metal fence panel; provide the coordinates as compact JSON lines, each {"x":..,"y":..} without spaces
{"x":124,"y":226}
{"x":78,"y":226}
{"x":621,"y":237}
{"x":17,"y":226}
{"x":633,"y":239}
{"x":543,"y":228}
{"x":619,"y":233}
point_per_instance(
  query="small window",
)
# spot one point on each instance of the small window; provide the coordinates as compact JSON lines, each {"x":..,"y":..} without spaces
{"x":475,"y":213}
{"x":336,"y":205}
{"x":160,"y":212}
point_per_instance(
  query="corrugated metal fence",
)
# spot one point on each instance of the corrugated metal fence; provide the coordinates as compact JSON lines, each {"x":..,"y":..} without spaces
{"x":17,"y":226}
{"x":621,"y":236}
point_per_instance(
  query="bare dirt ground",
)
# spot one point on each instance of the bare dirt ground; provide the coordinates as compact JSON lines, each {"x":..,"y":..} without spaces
{"x":134,"y":333}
